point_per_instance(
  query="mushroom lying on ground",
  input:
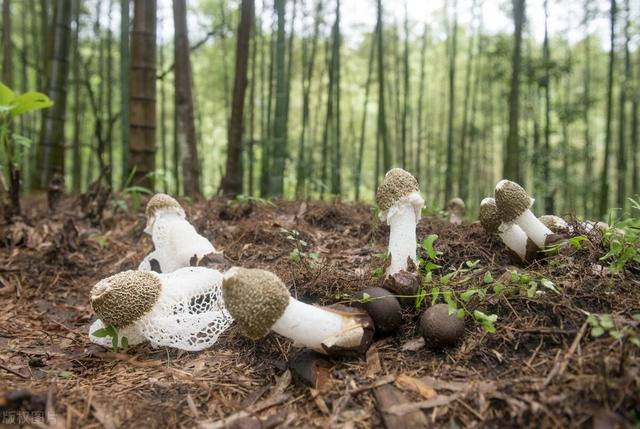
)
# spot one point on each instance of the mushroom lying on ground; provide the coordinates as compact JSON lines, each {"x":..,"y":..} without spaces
{"x":513,"y":205}
{"x":260,"y":302}
{"x":183,"y":309}
{"x":400,"y":202}
{"x":177,"y":243}
{"x":511,"y":235}
{"x":556,"y":224}
{"x":456,"y":210}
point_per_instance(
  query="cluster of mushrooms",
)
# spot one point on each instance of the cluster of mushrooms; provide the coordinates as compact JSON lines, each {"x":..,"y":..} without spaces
{"x":171,"y":301}
{"x":509,"y":216}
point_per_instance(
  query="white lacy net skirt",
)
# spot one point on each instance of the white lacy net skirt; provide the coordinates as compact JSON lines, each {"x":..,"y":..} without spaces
{"x":189,"y":315}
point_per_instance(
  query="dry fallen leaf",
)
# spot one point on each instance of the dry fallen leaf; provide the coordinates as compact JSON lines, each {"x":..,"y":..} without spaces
{"x":406,"y":382}
{"x":413,"y":345}
{"x":373,"y":362}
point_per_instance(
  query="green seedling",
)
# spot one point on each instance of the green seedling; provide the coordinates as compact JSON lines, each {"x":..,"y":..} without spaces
{"x":134,"y":191}
{"x":602,"y":324}
{"x":623,"y":241}
{"x":300,"y":254}
{"x":112,"y":332}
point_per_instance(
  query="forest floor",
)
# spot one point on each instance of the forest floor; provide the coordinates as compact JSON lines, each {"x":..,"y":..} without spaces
{"x":541,"y":368}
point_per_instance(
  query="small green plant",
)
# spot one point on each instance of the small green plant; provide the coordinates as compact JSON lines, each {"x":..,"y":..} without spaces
{"x":574,"y":242}
{"x":434,"y":211}
{"x":623,"y":240}
{"x":381,"y":263}
{"x":134,"y":191}
{"x":112,"y":332}
{"x":602,"y":324}
{"x":13,"y":105}
{"x":299,"y":254}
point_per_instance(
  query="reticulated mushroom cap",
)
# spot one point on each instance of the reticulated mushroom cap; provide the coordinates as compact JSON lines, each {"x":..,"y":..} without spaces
{"x":256,"y":299}
{"x":489,"y":216}
{"x":123,"y":298}
{"x":397,"y":184}
{"x":512,"y":200}
{"x":161,"y":203}
{"x":555,"y":223}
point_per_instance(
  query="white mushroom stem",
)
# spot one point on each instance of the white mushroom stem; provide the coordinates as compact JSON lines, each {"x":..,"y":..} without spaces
{"x":514,"y":238}
{"x":318,"y":328}
{"x":402,"y":219}
{"x":532,"y":226}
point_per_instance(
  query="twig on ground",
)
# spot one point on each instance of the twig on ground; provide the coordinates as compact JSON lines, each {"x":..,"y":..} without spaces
{"x":560,"y":366}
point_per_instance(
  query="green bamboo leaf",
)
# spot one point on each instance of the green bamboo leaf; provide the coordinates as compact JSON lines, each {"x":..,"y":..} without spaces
{"x":6,"y":95}
{"x":30,"y":101}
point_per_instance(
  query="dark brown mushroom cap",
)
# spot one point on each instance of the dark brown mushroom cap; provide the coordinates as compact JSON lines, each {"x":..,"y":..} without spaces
{"x":383,"y":308}
{"x":162,"y":202}
{"x":489,"y":216}
{"x":256,"y":299}
{"x":397,"y":184}
{"x":439,"y":327}
{"x":512,"y":200}
{"x":123,"y":298}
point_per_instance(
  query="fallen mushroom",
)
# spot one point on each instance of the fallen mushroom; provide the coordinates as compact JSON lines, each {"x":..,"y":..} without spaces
{"x":183,"y":309}
{"x":383,"y":308}
{"x":439,"y":327}
{"x":513,"y":205}
{"x":260,"y":302}
{"x":556,"y":224}
{"x":177,"y":243}
{"x":511,"y":235}
{"x":400,"y":202}
{"x":456,"y":210}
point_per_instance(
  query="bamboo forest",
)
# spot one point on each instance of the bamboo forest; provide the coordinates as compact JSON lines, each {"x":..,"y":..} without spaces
{"x":320,"y":213}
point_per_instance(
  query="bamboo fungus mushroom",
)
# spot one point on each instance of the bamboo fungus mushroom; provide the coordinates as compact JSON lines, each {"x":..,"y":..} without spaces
{"x":513,"y":205}
{"x":177,"y":243}
{"x":456,"y":210}
{"x":182,"y":309}
{"x":556,"y":224}
{"x":400,"y":203}
{"x":260,"y":302}
{"x":511,"y":235}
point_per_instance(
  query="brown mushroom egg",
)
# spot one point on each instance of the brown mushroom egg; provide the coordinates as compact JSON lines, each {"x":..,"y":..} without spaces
{"x":383,"y":308}
{"x":440,"y":328}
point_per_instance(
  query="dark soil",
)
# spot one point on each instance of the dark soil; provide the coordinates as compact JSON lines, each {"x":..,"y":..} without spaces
{"x":541,"y":368}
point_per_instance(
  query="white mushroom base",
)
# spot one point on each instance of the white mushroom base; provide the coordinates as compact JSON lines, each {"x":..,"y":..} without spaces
{"x":534,"y":229}
{"x":317,"y":328}
{"x":514,"y":238}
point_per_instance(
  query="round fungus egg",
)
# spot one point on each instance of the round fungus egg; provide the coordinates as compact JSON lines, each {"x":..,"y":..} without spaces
{"x":383,"y":308}
{"x":440,"y":328}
